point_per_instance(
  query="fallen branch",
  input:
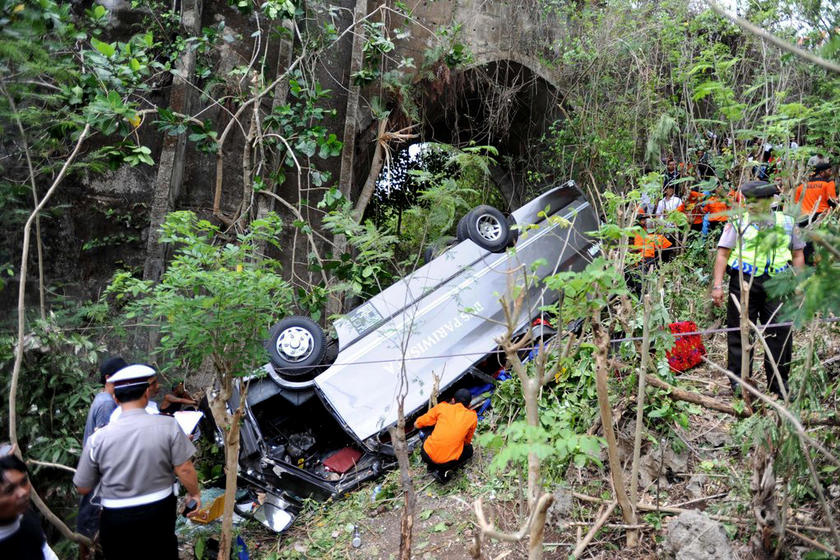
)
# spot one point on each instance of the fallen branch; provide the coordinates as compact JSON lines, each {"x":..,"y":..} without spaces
{"x":696,"y":398}
{"x":815,"y":544}
{"x":489,"y":530}
{"x":678,"y":510}
{"x":594,"y":529}
{"x":814,"y":419}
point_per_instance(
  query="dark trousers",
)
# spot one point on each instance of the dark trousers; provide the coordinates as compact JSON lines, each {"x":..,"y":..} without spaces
{"x":140,"y":532}
{"x":761,"y":308}
{"x":636,"y":276}
{"x":809,"y":245}
{"x":466,"y":455}
{"x":87,"y":522}
{"x":671,"y":252}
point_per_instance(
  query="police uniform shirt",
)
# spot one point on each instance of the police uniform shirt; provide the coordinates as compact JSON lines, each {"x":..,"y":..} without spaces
{"x":729,"y":237}
{"x":133,"y":456}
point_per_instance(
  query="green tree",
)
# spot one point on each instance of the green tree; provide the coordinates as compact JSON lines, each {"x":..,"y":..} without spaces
{"x":213,"y":305}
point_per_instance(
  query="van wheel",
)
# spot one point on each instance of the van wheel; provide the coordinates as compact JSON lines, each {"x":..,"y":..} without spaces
{"x":488,"y":228}
{"x":296,"y":347}
{"x":514,"y":232}
{"x":461,"y":229}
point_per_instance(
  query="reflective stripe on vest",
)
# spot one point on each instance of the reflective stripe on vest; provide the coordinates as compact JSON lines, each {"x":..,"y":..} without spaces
{"x":758,"y":257}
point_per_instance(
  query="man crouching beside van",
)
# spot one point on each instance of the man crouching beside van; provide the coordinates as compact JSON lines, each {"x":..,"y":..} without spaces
{"x":448,"y":447}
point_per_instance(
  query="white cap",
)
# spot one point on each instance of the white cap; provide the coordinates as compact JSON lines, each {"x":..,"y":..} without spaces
{"x":134,"y":372}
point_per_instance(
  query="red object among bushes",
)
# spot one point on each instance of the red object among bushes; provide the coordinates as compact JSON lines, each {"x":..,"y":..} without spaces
{"x":688,"y":350}
{"x":343,"y":460}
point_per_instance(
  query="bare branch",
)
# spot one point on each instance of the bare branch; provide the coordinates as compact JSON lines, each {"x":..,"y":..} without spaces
{"x":51,"y":465}
{"x":594,"y":529}
{"x":781,"y":410}
{"x":489,"y":530}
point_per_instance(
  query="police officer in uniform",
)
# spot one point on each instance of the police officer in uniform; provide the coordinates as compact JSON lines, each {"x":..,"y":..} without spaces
{"x":134,"y":461}
{"x":759,"y":244}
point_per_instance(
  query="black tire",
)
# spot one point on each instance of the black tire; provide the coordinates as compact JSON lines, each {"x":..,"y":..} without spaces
{"x":296,"y":347}
{"x":514,"y":232}
{"x":461,"y":230}
{"x":488,"y":228}
{"x":436,"y":249}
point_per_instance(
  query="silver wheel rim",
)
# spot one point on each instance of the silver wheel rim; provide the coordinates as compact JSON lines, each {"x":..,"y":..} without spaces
{"x":295,"y":344}
{"x":488,"y":227}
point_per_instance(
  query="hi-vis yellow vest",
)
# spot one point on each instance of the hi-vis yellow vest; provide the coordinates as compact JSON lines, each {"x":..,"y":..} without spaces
{"x":769,"y":254}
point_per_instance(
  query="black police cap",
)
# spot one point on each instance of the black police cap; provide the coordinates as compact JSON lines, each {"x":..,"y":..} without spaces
{"x":759,"y":189}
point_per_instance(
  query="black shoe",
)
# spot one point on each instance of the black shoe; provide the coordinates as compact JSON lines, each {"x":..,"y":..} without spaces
{"x":447,"y":476}
{"x":438,"y":476}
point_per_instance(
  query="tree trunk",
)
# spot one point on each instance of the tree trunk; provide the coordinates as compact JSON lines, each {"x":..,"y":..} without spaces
{"x":537,"y":531}
{"x":602,"y":343}
{"x":21,"y":326}
{"x":767,"y":521}
{"x":531,"y":392}
{"x":351,"y":118}
{"x":373,"y":175}
{"x":229,"y":424}
{"x":231,"y":471}
{"x":407,"y":484}
{"x":696,"y":398}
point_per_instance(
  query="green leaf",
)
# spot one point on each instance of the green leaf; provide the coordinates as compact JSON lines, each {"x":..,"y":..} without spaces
{"x":107,"y":49}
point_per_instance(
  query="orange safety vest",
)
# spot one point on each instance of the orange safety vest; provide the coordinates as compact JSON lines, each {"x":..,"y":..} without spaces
{"x":694,"y":199}
{"x":648,"y":244}
{"x":716,"y":208}
{"x":454,"y":426}
{"x":816,"y":196}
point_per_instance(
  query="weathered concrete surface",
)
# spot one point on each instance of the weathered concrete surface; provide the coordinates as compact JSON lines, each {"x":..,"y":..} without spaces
{"x":512,"y":30}
{"x":170,"y":169}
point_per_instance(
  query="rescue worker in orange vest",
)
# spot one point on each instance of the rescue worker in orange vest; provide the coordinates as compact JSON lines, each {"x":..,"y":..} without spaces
{"x":819,"y":194}
{"x":715,"y":211}
{"x":649,"y":246}
{"x":449,"y":445}
{"x":816,"y":197}
{"x":694,"y":208}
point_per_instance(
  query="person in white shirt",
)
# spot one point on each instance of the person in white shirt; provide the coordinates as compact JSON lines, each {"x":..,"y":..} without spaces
{"x":151,"y":407}
{"x":669,"y":204}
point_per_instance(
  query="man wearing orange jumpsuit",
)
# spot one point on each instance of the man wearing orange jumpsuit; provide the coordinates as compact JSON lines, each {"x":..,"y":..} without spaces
{"x":448,"y":447}
{"x":816,"y":197}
